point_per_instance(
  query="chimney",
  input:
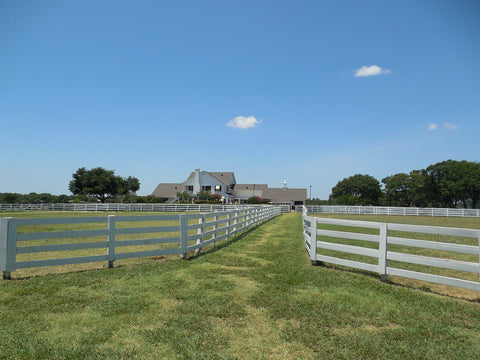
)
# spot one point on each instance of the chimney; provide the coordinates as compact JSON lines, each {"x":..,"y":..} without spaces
{"x":196,"y":181}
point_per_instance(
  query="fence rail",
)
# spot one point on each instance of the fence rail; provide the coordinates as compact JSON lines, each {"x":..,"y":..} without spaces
{"x":382,"y":210}
{"x":23,"y":246}
{"x":324,"y":240}
{"x":128,"y":207}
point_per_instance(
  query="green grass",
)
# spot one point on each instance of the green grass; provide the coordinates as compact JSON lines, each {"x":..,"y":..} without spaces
{"x":255,"y":298}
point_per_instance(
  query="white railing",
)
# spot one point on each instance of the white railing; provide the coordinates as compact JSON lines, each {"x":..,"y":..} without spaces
{"x":383,"y":210}
{"x":164,"y":207}
{"x":315,"y":242}
{"x":111,"y":235}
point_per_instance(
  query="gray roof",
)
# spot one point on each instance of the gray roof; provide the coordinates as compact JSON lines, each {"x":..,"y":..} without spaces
{"x":168,"y":190}
{"x":280,"y":194}
{"x":225,"y":177}
{"x":250,"y":186}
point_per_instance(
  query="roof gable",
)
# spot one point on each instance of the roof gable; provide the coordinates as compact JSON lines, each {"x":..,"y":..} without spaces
{"x":227,"y":177}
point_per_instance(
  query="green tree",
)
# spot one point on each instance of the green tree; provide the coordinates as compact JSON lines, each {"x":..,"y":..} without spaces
{"x":398,"y":190}
{"x":184,"y":196}
{"x":452,"y":183}
{"x":419,"y":192}
{"x":128,"y":185}
{"x":470,"y":182}
{"x":357,"y":189}
{"x":101,"y":183}
{"x":407,"y":189}
{"x":9,"y":198}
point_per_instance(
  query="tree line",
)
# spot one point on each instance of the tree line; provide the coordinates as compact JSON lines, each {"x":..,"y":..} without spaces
{"x":448,"y":183}
{"x":94,"y":185}
{"x":445,"y":184}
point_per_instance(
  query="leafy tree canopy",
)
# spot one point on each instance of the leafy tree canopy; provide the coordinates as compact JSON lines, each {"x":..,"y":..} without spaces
{"x":357,"y":190}
{"x":101,"y":183}
{"x":449,"y":183}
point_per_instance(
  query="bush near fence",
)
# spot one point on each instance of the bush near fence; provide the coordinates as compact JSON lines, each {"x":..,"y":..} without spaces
{"x":105,"y":238}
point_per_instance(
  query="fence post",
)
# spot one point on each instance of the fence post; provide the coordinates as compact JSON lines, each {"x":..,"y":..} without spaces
{"x":7,"y":247}
{"x":313,"y":241}
{"x":382,"y":251}
{"x":228,"y":227}
{"x":235,"y":221}
{"x":4,"y":246}
{"x":215,"y":227}
{"x":111,"y":240}
{"x":183,"y":235}
{"x":200,"y":232}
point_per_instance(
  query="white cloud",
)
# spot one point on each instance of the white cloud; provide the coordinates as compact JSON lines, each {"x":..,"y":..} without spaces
{"x":432,"y":126}
{"x":450,"y":126}
{"x":242,"y":122}
{"x":371,"y":70}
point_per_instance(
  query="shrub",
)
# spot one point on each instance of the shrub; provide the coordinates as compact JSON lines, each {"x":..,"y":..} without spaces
{"x":255,"y":200}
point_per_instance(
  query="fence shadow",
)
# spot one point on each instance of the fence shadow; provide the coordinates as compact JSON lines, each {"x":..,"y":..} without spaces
{"x":219,"y":246}
{"x":424,"y":287}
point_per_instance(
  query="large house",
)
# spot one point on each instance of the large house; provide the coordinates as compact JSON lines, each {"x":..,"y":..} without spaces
{"x":224,"y":184}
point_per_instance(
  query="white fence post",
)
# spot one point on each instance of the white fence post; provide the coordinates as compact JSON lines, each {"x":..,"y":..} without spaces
{"x":111,"y":240}
{"x":4,"y":247}
{"x":313,"y":241}
{"x":235,"y":223}
{"x":8,"y":243}
{"x":228,"y":227}
{"x":200,"y":232}
{"x":479,"y":258}
{"x":215,"y":228}
{"x":382,"y":251}
{"x":183,"y":235}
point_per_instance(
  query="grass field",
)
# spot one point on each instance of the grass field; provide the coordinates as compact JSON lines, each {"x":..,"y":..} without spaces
{"x":255,"y":298}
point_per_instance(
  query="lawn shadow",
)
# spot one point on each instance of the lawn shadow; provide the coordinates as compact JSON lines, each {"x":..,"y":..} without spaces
{"x":424,"y":287}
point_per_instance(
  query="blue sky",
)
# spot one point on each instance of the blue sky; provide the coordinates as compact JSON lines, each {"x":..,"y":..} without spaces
{"x":307,"y":91}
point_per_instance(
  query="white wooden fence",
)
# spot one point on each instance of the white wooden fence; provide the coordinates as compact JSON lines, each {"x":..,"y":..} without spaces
{"x":315,"y":242}
{"x":383,"y":210}
{"x":180,"y":235}
{"x":164,"y":207}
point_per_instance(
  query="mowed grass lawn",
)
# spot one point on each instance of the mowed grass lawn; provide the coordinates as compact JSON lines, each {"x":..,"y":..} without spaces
{"x":257,"y":298}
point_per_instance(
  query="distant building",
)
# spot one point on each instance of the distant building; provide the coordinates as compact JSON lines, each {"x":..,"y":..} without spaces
{"x":225,"y":184}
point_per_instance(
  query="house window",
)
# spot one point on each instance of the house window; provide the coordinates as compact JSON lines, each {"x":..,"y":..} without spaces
{"x":218,"y":188}
{"x":190,"y":189}
{"x":207,"y":188}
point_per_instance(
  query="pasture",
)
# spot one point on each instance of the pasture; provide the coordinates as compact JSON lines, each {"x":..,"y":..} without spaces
{"x":257,"y":297}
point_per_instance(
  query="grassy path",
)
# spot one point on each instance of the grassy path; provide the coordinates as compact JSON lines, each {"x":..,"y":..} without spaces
{"x":258,"y":298}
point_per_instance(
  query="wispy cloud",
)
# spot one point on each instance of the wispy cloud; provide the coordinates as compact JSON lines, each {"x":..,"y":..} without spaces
{"x":446,"y":125}
{"x":371,"y":70}
{"x":450,"y":126}
{"x":243,"y":122}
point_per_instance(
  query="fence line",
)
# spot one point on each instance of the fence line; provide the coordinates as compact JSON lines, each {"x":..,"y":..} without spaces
{"x":383,"y":210}
{"x":128,"y":207}
{"x":320,"y":239}
{"x":180,"y":234}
